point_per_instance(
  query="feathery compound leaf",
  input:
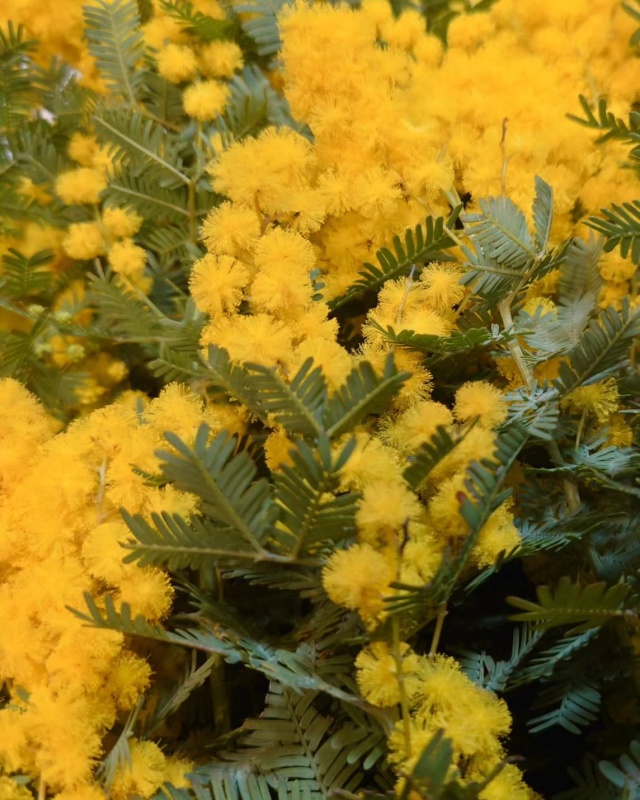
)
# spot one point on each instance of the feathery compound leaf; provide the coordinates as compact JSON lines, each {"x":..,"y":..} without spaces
{"x":261,"y":24}
{"x":421,"y":245}
{"x":25,"y":277}
{"x":500,"y":233}
{"x":441,"y":346}
{"x":612,"y":127}
{"x":196,"y":23}
{"x":627,"y":776}
{"x":362,"y":393}
{"x":225,"y":483}
{"x":543,"y":664}
{"x":495,"y":675}
{"x":292,"y":740}
{"x":138,"y":141}
{"x":603,"y":348}
{"x":309,"y":513}
{"x":542,"y":213}
{"x":299,"y":405}
{"x":429,"y":456}
{"x":16,"y":77}
{"x":578,"y":701}
{"x":621,"y":227}
{"x":579,"y":274}
{"x":112,"y":28}
{"x":143,"y":194}
{"x":569,"y":603}
{"x":176,"y":543}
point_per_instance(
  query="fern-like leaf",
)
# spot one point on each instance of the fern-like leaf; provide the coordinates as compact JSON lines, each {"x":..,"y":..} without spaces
{"x":112,"y":28}
{"x":438,"y":347}
{"x":261,"y":24}
{"x":24,"y":276}
{"x":542,"y":214}
{"x":495,"y":675}
{"x":571,"y":603}
{"x":626,"y":777}
{"x":362,"y":393}
{"x":297,"y":405}
{"x":224,"y":482}
{"x":309,"y":513}
{"x":421,"y":244}
{"x":499,"y":231}
{"x":140,"y":142}
{"x":620,"y":227}
{"x":429,"y":456}
{"x":603,"y":348}
{"x":196,"y":23}
{"x":578,"y":702}
{"x":605,"y":121}
{"x":579,"y":274}
{"x":173,"y":542}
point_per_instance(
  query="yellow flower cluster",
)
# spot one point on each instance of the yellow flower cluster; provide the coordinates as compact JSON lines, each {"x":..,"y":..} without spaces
{"x":61,"y":536}
{"x":440,"y":697}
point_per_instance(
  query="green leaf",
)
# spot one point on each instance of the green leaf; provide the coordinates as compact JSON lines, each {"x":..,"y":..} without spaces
{"x":139,"y":142}
{"x":297,"y":405}
{"x":173,"y":542}
{"x":500,"y":233}
{"x":429,"y":456}
{"x":573,"y":604}
{"x":542,"y":214}
{"x":602,"y":350}
{"x":362,"y":393}
{"x":580,"y":273}
{"x":261,"y":24}
{"x":627,"y":776}
{"x":495,"y":675}
{"x":16,"y":77}
{"x":454,"y":344}
{"x":230,"y":495}
{"x":24,"y":277}
{"x":603,"y":120}
{"x":578,"y":704}
{"x":620,"y":227}
{"x":112,"y":28}
{"x":421,"y":245}
{"x":310,"y":513}
{"x":145,"y":196}
{"x":197,"y":24}
{"x":544,"y":663}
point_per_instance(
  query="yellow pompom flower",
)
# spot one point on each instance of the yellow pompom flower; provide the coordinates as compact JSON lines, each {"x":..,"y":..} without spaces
{"x":129,"y":676}
{"x":385,"y":507}
{"x":143,"y":775}
{"x":127,"y":258}
{"x":600,"y":399}
{"x":147,"y":590}
{"x":443,"y":287}
{"x":231,"y":229}
{"x":377,"y":673}
{"x":205,"y":100}
{"x":499,"y":534}
{"x":176,"y":63}
{"x":217,"y":284}
{"x":482,"y":401}
{"x":220,"y":59}
{"x":359,"y":578}
{"x":83,"y":148}
{"x":84,"y":241}
{"x":82,"y":185}
{"x":121,"y":223}
{"x":417,"y":425}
